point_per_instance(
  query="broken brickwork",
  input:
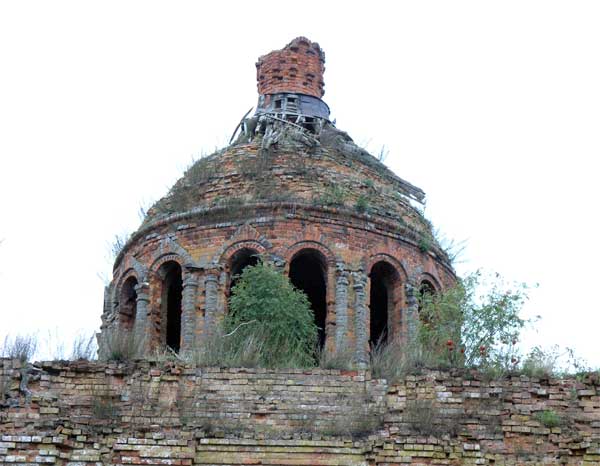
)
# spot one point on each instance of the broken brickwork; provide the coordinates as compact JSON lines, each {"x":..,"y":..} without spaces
{"x":297,"y":68}
{"x":85,"y":413}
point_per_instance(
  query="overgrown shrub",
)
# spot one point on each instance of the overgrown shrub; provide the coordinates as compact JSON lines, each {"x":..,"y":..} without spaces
{"x":21,"y":347}
{"x":267,"y":315}
{"x":466,"y":326}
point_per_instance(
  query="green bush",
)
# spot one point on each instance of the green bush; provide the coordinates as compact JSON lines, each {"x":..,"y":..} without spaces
{"x":548,"y":418}
{"x":465,"y":326}
{"x":266,"y":310}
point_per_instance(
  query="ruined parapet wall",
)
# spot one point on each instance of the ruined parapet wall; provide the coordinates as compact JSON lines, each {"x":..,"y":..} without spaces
{"x":148,"y":413}
{"x":297,"y":68}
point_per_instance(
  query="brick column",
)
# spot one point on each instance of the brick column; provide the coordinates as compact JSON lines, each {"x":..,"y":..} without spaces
{"x":188,"y":312}
{"x":412,"y":312}
{"x":341,"y":307}
{"x":140,"y":327}
{"x":360,"y":322}
{"x":211,"y":301}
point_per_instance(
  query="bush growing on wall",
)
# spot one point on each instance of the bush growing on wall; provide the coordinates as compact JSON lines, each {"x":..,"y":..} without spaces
{"x":266,"y":309}
{"x":467,"y":326}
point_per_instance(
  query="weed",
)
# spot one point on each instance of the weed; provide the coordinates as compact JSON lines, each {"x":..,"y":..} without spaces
{"x":202,"y":170}
{"x":362,"y":204}
{"x":422,"y":416}
{"x":84,"y":348}
{"x":118,"y":243}
{"x":342,"y":359}
{"x":4,"y":387}
{"x":361,"y":419}
{"x":217,"y":350}
{"x":540,"y":363}
{"x":334,"y":195}
{"x":122,"y":345}
{"x":549,"y":418}
{"x":103,"y":405}
{"x":392,"y":360}
{"x":424,"y":244}
{"x":21,"y":347}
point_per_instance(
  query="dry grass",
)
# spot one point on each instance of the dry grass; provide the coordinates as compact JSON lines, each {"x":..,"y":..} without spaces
{"x":84,"y":348}
{"x":21,"y":347}
{"x":393,"y":361}
{"x":122,"y":345}
{"x":342,"y":359}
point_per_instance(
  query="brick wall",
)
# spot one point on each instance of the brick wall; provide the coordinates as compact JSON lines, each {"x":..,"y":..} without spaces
{"x":85,"y":413}
{"x":297,"y":68}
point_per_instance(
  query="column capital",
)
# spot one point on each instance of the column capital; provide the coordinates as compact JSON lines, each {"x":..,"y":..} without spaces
{"x":191,"y":280}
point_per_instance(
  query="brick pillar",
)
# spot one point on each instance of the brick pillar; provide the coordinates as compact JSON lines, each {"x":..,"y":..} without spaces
{"x":188,"y":312}
{"x":341,"y":307}
{"x":411,"y":312}
{"x":360,"y":311}
{"x":140,"y":327}
{"x":211,"y":301}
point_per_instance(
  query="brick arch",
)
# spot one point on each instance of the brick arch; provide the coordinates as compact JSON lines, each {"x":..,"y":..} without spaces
{"x":118,"y":285}
{"x":158,"y":311}
{"x":155,"y":268}
{"x":130,"y":272}
{"x":170,"y":246}
{"x":396,"y":326}
{"x":127,"y":311}
{"x":296,"y":248}
{"x":427,"y":277}
{"x":230,"y":250}
{"x":246,"y":233}
{"x":385,"y":257}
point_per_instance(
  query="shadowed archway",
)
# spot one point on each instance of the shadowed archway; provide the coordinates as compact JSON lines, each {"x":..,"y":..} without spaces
{"x":384,"y":291}
{"x":308,"y":272}
{"x":172,"y":287}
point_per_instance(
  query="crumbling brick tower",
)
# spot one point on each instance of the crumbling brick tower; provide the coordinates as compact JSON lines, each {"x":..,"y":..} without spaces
{"x":294,"y":188}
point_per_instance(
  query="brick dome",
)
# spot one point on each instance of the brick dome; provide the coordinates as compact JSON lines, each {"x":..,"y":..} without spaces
{"x":295,"y":189}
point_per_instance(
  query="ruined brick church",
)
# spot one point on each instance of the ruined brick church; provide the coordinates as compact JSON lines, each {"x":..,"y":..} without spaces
{"x":294,"y":189}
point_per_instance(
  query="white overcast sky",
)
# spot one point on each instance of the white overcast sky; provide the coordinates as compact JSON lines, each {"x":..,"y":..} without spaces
{"x":493,"y":108}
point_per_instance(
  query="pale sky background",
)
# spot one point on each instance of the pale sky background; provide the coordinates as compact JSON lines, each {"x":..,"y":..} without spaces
{"x":493,"y":108}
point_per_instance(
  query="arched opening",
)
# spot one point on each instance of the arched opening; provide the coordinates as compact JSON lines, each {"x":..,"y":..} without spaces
{"x":128,"y":303}
{"x":239,"y":261}
{"x":384,"y":283}
{"x":308,"y":272}
{"x":426,"y":293}
{"x":171,"y":304}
